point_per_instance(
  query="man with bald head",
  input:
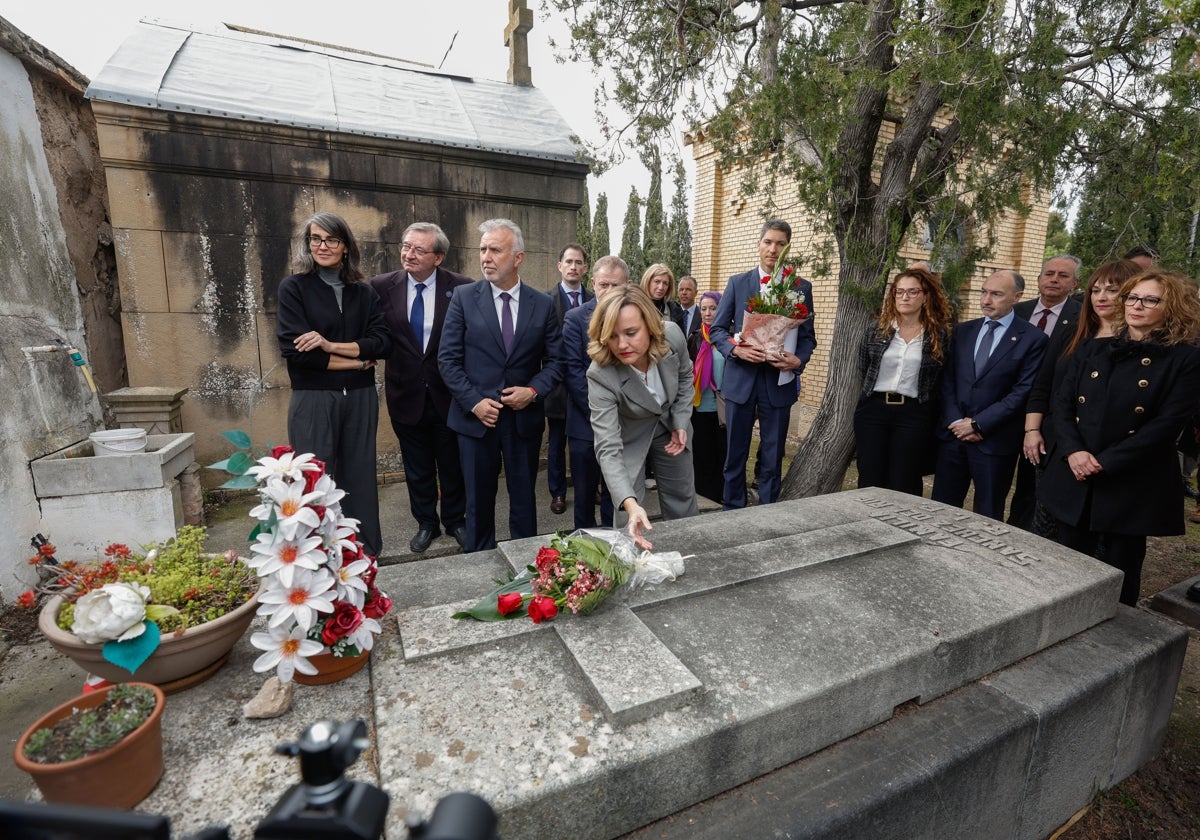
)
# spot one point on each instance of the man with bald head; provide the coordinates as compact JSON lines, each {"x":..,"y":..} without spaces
{"x":992,"y":363}
{"x":1052,"y":311}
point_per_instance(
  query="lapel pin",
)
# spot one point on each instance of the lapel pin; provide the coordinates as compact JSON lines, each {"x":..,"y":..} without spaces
{"x":1013,"y":338}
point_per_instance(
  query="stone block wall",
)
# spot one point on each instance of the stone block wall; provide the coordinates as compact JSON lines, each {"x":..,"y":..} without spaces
{"x":205,"y":212}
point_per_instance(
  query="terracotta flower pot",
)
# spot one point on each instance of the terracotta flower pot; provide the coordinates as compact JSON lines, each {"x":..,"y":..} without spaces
{"x":119,"y":777}
{"x":180,"y":661}
{"x":331,"y":669}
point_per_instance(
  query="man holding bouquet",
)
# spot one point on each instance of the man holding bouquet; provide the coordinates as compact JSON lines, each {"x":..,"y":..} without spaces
{"x":760,"y":381}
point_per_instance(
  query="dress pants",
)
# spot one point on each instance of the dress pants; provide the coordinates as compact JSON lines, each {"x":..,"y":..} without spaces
{"x":339,"y":428}
{"x":430,"y":453}
{"x":893,"y":434}
{"x":482,"y":459}
{"x":772,"y":430}
{"x":962,"y":464}
{"x":585,"y":479}
{"x":708,"y":454}
{"x":556,"y":455}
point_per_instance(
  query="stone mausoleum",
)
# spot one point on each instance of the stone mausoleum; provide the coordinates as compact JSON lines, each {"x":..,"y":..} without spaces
{"x":217,"y":145}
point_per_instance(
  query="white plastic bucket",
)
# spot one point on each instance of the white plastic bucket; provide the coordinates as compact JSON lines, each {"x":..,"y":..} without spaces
{"x":118,"y":441}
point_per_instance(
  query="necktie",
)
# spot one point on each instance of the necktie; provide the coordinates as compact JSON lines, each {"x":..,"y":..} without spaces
{"x":574,"y":299}
{"x":985,"y":346}
{"x":416,"y":318}
{"x":506,"y":321}
{"x":1041,"y":324}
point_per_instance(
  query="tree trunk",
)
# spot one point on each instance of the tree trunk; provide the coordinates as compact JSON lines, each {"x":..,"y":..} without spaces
{"x":819,"y":465}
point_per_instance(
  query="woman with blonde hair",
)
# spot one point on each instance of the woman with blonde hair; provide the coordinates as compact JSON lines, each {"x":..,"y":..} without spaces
{"x":1112,"y":475}
{"x":900,"y":361}
{"x":640,"y":394}
{"x":659,"y":282}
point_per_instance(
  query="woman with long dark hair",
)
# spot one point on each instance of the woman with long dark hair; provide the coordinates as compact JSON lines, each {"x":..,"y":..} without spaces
{"x":900,"y":360}
{"x":331,"y":330}
{"x":1112,"y":475}
{"x":1097,"y":322}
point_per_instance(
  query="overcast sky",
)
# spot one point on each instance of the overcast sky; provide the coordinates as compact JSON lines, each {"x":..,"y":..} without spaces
{"x":86,"y":34}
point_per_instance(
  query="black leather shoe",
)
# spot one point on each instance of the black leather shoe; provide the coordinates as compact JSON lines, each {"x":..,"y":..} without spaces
{"x":558,"y":505}
{"x":459,"y":532}
{"x":422,"y":540}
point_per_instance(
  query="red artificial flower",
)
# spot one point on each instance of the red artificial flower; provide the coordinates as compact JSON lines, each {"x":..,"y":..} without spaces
{"x":509,"y":602}
{"x":368,"y":575}
{"x":345,"y":620}
{"x":378,"y":605}
{"x":279,"y":451}
{"x":546,"y":557}
{"x":542,"y":608}
{"x":27,"y":600}
{"x":312,"y":476}
{"x":47,"y":550}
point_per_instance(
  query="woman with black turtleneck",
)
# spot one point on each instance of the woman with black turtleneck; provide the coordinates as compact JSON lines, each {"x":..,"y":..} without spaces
{"x":331,"y":330}
{"x":659,"y":282}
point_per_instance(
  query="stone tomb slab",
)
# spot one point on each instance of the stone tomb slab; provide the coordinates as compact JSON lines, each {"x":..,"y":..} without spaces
{"x":796,"y":625}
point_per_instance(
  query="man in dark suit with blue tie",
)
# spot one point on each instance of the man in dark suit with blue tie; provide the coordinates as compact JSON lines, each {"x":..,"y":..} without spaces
{"x":414,"y":302}
{"x":1052,"y":311}
{"x":608,"y":273}
{"x":993,"y":362}
{"x":568,"y":294}
{"x":500,"y":356}
{"x":754,"y":386}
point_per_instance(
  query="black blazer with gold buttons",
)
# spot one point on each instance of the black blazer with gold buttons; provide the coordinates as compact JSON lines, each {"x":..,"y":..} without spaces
{"x":1125,"y":402}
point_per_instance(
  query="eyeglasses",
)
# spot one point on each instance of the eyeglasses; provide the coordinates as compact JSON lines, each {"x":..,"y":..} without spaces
{"x":907,"y":293}
{"x":408,"y":247}
{"x":330,"y":242}
{"x":1146,"y":302}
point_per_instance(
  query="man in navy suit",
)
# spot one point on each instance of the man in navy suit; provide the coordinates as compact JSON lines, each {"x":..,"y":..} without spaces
{"x":993,"y":362}
{"x":568,"y":294}
{"x":1052,"y":311}
{"x":607,"y":274}
{"x":685,"y":290}
{"x":417,"y":398}
{"x":500,"y":356}
{"x":755,"y":386}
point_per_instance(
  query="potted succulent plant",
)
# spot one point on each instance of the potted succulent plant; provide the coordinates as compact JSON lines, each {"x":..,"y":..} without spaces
{"x":103,"y":748}
{"x":168,"y":617}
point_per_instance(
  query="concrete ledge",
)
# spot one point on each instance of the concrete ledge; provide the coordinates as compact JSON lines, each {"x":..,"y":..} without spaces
{"x":1174,"y":602}
{"x":1014,"y":755}
{"x":76,"y":471}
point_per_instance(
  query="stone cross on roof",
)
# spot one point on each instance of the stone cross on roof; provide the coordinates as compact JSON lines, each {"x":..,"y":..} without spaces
{"x":515,"y":38}
{"x":632,"y":673}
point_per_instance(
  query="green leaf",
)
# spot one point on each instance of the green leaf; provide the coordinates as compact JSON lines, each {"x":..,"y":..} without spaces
{"x":240,"y":482}
{"x":238,"y":438}
{"x":239,"y":462}
{"x":485,"y":609}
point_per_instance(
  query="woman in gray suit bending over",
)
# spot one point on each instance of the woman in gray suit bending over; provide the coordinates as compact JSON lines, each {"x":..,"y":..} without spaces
{"x":640,"y":394}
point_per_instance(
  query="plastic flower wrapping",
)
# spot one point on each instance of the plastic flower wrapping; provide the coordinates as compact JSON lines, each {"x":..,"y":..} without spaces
{"x":576,"y":573}
{"x":774,"y":313}
{"x":318,"y":584}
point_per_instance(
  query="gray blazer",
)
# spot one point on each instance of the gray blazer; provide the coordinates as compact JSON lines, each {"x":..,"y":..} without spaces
{"x":626,"y":417}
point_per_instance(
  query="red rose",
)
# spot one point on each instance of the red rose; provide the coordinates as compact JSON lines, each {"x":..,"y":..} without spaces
{"x":378,"y":606}
{"x":368,"y":575}
{"x":27,"y":600}
{"x":312,"y":476}
{"x":279,"y":451}
{"x":802,"y":311}
{"x":345,"y":620}
{"x":546,"y":557}
{"x":542,"y":608}
{"x":787,"y":272}
{"x":509,"y":602}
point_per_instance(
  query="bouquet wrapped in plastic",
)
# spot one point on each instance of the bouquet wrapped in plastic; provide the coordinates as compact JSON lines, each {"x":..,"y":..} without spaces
{"x":576,"y":573}
{"x":774,"y":313}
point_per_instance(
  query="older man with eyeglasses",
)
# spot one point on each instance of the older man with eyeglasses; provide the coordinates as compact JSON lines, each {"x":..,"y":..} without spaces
{"x":415,"y":300}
